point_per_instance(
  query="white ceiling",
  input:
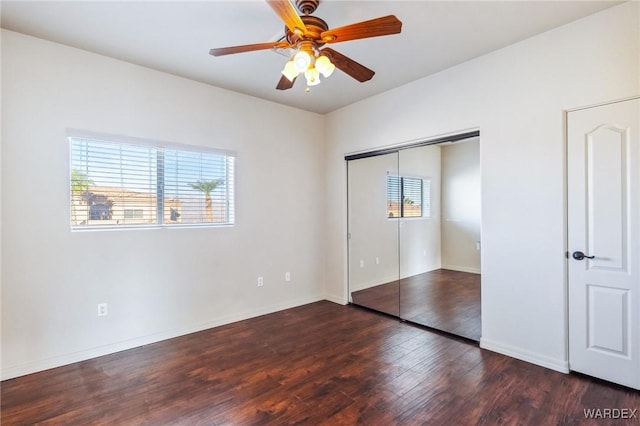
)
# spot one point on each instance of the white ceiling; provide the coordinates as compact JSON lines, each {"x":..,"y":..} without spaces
{"x":175,"y":37}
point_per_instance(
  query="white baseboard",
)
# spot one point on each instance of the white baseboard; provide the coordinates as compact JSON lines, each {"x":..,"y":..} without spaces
{"x":461,"y":268}
{"x":560,"y":365}
{"x":65,"y":359}
{"x":373,"y":283}
{"x":335,"y":299}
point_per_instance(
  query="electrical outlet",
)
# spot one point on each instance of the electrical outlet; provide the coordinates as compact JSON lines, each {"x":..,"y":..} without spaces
{"x":287,"y":276}
{"x":102,"y":309}
{"x":260,"y":281}
{"x":377,"y":260}
{"x":362,"y":263}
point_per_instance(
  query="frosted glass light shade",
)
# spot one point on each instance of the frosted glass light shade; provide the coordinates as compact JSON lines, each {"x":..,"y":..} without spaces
{"x":302,"y":61}
{"x":290,"y":71}
{"x":313,"y":77}
{"x":324,"y":65}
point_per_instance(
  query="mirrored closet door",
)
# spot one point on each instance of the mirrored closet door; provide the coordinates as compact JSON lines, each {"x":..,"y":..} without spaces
{"x":440,"y":248}
{"x":373,"y":238}
{"x":431,"y":197}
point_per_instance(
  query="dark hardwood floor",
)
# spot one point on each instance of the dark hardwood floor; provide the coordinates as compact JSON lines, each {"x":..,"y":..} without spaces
{"x":382,"y":298}
{"x":445,"y":300}
{"x":442,"y":299}
{"x":317,"y":364}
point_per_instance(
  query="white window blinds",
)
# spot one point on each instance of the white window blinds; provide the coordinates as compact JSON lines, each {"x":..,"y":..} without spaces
{"x":407,"y":197}
{"x":394,"y":195}
{"x":411,"y":197}
{"x":116,"y":184}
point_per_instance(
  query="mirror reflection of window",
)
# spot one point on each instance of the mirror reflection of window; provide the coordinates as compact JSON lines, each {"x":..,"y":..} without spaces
{"x":415,"y":194}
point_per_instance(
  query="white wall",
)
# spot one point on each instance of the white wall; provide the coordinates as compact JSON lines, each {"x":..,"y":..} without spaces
{"x":461,"y":206}
{"x":158,"y":283}
{"x":516,"y":97}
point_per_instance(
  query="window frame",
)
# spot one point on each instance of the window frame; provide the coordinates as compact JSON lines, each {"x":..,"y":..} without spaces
{"x":160,"y":193}
{"x":425,"y":204}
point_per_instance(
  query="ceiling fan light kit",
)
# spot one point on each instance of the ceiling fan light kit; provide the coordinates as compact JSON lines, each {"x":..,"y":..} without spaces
{"x":313,"y":76}
{"x":324,"y":65}
{"x":306,"y":35}
{"x":290,"y":71}
{"x":302,"y":61}
{"x":311,"y":63}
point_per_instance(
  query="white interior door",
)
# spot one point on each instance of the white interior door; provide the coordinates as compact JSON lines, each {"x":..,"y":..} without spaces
{"x":604,"y":241}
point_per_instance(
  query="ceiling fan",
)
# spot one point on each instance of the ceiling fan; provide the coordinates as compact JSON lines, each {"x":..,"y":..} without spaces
{"x":306,"y":35}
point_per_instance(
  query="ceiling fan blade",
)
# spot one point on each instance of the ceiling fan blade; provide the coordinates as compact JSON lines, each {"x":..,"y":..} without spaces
{"x":349,"y":66}
{"x":247,"y":48}
{"x":285,"y":84}
{"x":288,"y":13}
{"x":373,"y":28}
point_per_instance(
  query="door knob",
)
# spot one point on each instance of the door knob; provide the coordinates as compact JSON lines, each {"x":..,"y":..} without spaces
{"x":578,"y":255}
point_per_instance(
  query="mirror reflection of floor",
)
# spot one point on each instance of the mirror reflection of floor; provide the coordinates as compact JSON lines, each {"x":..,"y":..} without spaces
{"x":442,"y":299}
{"x":383,"y":298}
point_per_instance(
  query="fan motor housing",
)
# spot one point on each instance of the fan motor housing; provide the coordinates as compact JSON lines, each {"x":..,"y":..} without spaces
{"x":315,"y":27}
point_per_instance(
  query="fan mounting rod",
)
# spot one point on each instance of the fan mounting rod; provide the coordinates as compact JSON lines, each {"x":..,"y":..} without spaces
{"x":307,"y":7}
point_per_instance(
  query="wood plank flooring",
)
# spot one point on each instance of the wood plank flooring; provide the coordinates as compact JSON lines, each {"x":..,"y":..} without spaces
{"x":442,"y":299}
{"x":316,"y":364}
{"x":382,"y":298}
{"x":445,"y":300}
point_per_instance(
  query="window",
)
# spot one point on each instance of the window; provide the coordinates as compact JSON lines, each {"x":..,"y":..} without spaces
{"x":115,"y":184}
{"x":408,"y":197}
